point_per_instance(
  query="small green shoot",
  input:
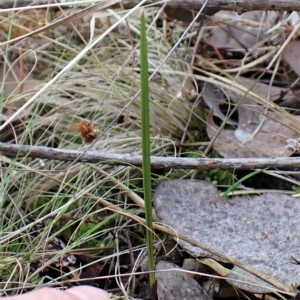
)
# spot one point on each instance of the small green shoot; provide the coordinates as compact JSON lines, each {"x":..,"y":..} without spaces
{"x":145,"y":124}
{"x":232,"y":188}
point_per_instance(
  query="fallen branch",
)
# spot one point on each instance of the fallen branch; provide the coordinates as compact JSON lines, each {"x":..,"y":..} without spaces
{"x":239,"y":6}
{"x":19,"y":151}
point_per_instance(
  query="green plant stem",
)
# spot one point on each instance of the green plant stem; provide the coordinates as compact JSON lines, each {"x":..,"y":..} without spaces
{"x":146,"y":163}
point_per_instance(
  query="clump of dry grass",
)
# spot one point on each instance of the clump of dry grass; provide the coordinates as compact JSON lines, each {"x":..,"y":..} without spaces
{"x":63,"y":196}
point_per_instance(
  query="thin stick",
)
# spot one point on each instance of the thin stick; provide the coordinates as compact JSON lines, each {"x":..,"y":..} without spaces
{"x":19,"y":151}
{"x":239,"y":6}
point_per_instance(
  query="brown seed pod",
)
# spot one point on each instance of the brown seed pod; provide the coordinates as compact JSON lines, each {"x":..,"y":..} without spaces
{"x":87,"y":131}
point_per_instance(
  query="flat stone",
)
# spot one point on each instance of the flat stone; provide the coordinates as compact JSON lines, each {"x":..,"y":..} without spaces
{"x":259,"y":231}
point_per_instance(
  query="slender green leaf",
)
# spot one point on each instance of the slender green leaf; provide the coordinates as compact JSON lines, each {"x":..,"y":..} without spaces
{"x":145,"y":122}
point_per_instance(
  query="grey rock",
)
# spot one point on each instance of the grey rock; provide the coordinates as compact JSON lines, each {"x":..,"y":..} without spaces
{"x":176,"y":285}
{"x":260,"y":231}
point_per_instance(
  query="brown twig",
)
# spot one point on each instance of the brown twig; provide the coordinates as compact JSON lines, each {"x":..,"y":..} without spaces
{"x":19,"y":151}
{"x":239,"y":6}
